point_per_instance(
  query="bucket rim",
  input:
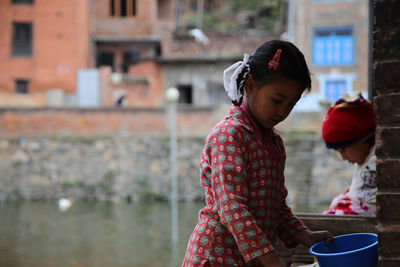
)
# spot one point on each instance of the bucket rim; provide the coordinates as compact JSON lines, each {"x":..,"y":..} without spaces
{"x":317,"y":254}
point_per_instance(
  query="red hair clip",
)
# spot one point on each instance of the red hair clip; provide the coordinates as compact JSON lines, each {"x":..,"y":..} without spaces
{"x":274,"y":62}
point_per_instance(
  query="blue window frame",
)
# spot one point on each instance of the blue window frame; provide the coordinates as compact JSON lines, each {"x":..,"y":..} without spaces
{"x":333,"y":46}
{"x":335,"y":89}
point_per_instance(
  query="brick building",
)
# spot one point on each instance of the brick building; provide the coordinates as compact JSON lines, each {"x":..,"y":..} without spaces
{"x":43,"y":44}
{"x":333,"y":36}
{"x":49,"y":50}
{"x":106,"y":52}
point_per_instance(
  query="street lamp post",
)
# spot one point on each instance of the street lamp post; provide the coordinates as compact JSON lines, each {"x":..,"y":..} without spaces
{"x":172,"y":96}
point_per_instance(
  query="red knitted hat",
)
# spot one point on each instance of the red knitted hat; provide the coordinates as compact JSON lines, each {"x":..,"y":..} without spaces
{"x":348,"y":121}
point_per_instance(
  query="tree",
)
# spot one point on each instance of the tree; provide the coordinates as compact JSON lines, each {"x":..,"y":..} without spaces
{"x":235,"y":15}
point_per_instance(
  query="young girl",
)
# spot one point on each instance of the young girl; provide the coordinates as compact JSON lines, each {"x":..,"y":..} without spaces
{"x":243,"y":162}
{"x":349,"y":128}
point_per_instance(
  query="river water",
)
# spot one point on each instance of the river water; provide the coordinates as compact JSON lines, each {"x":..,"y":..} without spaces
{"x":37,"y":234}
{"x":92,"y":234}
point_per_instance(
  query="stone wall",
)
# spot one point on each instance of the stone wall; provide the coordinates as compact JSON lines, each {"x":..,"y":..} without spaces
{"x":136,"y":167}
{"x":112,"y":153}
{"x":107,"y":168}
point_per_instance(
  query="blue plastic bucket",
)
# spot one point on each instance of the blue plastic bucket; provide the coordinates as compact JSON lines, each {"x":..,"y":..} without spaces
{"x":353,"y":250}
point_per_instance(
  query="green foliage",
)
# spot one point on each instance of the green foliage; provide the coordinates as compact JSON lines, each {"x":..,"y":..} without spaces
{"x":109,"y":175}
{"x":144,"y":192}
{"x":105,"y":187}
{"x":142,"y":182}
{"x":81,"y":184}
{"x":216,"y":23}
{"x":240,"y":15}
{"x":67,"y":184}
{"x":254,"y":5}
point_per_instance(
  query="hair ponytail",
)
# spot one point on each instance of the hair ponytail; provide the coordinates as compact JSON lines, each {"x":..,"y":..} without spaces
{"x":241,"y":80}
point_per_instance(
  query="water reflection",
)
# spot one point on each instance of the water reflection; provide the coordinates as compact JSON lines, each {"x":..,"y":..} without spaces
{"x":92,"y":234}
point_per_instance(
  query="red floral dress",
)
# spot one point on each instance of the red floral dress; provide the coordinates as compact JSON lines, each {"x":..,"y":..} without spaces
{"x":246,"y":211}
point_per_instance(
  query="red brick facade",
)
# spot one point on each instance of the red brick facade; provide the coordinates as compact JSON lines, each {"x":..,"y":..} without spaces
{"x":60,"y":47}
{"x":68,"y":36}
{"x":104,"y":122}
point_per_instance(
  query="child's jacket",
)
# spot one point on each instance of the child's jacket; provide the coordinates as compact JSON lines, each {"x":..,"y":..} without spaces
{"x":360,"y":199}
{"x":246,"y":211}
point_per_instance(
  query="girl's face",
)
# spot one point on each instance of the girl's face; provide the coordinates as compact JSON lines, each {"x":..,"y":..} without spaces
{"x":355,"y":153}
{"x":271,"y":103}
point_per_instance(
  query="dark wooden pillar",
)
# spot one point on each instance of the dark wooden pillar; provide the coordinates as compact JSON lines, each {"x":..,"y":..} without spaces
{"x":386,"y":87}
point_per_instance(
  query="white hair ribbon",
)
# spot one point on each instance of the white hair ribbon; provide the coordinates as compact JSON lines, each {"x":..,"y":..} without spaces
{"x":230,"y":84}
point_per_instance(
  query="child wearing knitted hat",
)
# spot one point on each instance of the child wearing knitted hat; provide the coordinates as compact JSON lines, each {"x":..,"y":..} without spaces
{"x":349,"y":128}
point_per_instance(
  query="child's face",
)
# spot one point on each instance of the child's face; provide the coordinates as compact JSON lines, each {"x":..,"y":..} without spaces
{"x":271,"y":103}
{"x":356,"y":153}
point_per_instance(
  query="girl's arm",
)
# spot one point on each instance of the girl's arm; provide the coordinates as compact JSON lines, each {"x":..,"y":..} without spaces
{"x":305,"y":237}
{"x":309,"y":238}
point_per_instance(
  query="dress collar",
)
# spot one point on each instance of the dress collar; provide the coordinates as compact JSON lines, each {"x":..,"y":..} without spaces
{"x":255,"y":128}
{"x":267,"y":137}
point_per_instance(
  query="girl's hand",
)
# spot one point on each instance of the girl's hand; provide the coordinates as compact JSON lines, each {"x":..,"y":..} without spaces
{"x":309,"y":238}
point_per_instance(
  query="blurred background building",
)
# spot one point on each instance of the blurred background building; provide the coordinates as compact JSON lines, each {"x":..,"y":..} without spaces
{"x":54,"y":53}
{"x":125,"y":53}
{"x":333,"y":35}
{"x":90,"y":53}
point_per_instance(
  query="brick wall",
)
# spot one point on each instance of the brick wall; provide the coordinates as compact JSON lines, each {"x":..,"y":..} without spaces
{"x":104,"y":121}
{"x":386,"y":85}
{"x":137,"y":121}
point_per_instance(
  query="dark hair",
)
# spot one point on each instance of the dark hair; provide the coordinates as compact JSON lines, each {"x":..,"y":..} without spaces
{"x":292,"y":64}
{"x":370,"y":140}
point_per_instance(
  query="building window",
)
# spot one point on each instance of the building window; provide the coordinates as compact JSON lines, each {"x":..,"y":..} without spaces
{"x":185,"y":94}
{"x":333,"y":85}
{"x":163,"y":9}
{"x":22,"y":39}
{"x":217,"y":94}
{"x":122,"y":8}
{"x":21,"y":86}
{"x":333,"y":47}
{"x":130,"y":58}
{"x":22,"y":2}
{"x":335,"y":89}
{"x":105,"y":59}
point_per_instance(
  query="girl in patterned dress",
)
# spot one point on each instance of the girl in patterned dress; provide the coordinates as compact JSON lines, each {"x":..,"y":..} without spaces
{"x":349,"y":128}
{"x":243,"y":162}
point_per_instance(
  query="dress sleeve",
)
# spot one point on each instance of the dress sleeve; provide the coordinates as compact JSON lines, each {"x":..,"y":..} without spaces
{"x":288,"y":224}
{"x":229,"y":182}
